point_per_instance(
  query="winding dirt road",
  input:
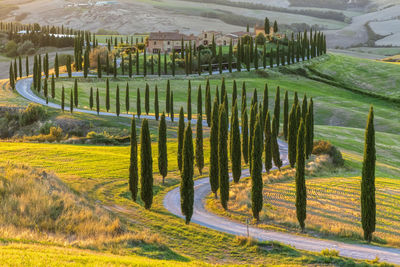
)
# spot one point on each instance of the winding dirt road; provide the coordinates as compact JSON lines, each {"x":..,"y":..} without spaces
{"x":202,"y":217}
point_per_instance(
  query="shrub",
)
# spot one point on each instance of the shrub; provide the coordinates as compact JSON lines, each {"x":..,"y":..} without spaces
{"x":32,"y":114}
{"x":55,"y":135}
{"x":330,"y":252}
{"x":26,"y":48}
{"x":325,"y":147}
{"x":11,"y":49}
{"x":45,"y":128}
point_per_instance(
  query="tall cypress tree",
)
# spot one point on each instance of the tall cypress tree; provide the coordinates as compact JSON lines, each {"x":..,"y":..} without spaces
{"x":137,"y":62}
{"x":368,"y":203}
{"x":162,"y":148}
{"x":181,"y":132}
{"x":130,"y":63}
{"x":62,"y":98}
{"x":265,"y":104}
{"x":117,"y":104}
{"x":171,"y":107}
{"x":91,"y":98}
{"x":133,"y":166}
{"x":277,"y":111}
{"x":76,"y":93}
{"x":220,"y":59}
{"x":27,"y":66}
{"x":199,"y":102}
{"x":236,"y":151}
{"x":167,"y":97}
{"x":310,"y":140}
{"x":147,"y":99}
{"x":189,"y":102}
{"x":146,"y":166}
{"x":301,"y":192}
{"x":199,"y":144}
{"x":234,"y":93}
{"x":286,"y":116}
{"x":56,"y":66}
{"x":275,"y":147}
{"x":187,"y":184}
{"x":214,"y":167}
{"x":230,"y":56}
{"x":97,"y":101}
{"x":53,"y":87}
{"x":107,"y":95}
{"x":156,"y":107}
{"x":292,"y":136}
{"x":244,"y":98}
{"x":127,"y":101}
{"x":208,"y":105}
{"x":138,"y":104}
{"x":245,"y":136}
{"x":144,"y":63}
{"x":223,"y":156}
{"x":165,"y":64}
{"x":268,"y":143}
{"x":256,"y":170}
{"x":11,"y":76}
{"x":253,"y":117}
{"x":304,"y":108}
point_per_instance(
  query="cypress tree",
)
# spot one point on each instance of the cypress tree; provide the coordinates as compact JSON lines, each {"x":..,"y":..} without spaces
{"x":11,"y":77}
{"x":199,"y":102}
{"x":214,"y":172}
{"x":208,"y":103}
{"x":86,"y":65}
{"x":62,"y":98}
{"x":292,"y":136}
{"x":301,"y":192}
{"x":268,"y":143}
{"x":130,"y":63}
{"x":152,"y":64}
{"x":253,"y":117}
{"x":220,"y":59}
{"x":265,"y":104}
{"x":223,"y":157}
{"x":256,"y":171}
{"x":244,"y":98}
{"x":187,"y":184}
{"x":69,"y":69}
{"x":234,"y":93}
{"x":181,"y":132}
{"x":271,"y":59}
{"x":199,"y":70}
{"x":98,"y":66}
{"x":156,"y":106}
{"x":107,"y":64}
{"x":46,"y":66}
{"x":127,"y":102}
{"x":159,"y":63}
{"x":91,"y":98}
{"x":56,"y":66}
{"x":137,"y":62}
{"x":368,"y":203}
{"x":217,"y":95}
{"x":27,"y":66}
{"x":133,"y":166}
{"x":307,"y":132}
{"x":71,"y":102}
{"x":147,"y":99}
{"x":53,"y":87}
{"x":167,"y":97}
{"x":266,"y":26}
{"x":117,"y":104}
{"x":256,"y":57}
{"x":230,"y":56}
{"x":286,"y":115}
{"x":107,"y":95}
{"x":115,"y":67}
{"x":189,"y":102}
{"x":236,"y":152}
{"x":144,"y":63}
{"x":146,"y":166}
{"x":162,"y":148}
{"x":298,"y":115}
{"x":304,"y":108}
{"x":310,"y":141}
{"x":171,"y":107}
{"x":245,"y":136}
{"x":173,"y":63}
{"x":275,"y":147}
{"x":254,"y":99}
{"x":165,"y":65}
{"x":97,"y":101}
{"x":277,"y":111}
{"x":264,"y":56}
{"x":75,"y":92}
{"x":199,"y":144}
{"x":138,"y":105}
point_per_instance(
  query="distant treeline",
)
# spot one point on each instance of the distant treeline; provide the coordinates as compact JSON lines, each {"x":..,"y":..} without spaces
{"x":333,"y":15}
{"x":333,"y":4}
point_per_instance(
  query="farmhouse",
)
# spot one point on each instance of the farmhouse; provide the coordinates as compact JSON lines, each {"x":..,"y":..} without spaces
{"x":168,"y":41}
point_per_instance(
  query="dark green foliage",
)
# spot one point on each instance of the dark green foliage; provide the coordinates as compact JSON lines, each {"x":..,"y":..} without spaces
{"x":156,"y":107}
{"x":137,"y":62}
{"x":208,"y":103}
{"x":244,"y":98}
{"x":97,"y":101}
{"x":27,"y":66}
{"x":144,"y":64}
{"x":127,"y":102}
{"x":234,"y":93}
{"x":230,"y":55}
{"x":187,"y":184}
{"x":310,"y":140}
{"x":304,"y":108}
{"x":301,"y":192}
{"x":236,"y":151}
{"x":307,"y":132}
{"x":199,"y":101}
{"x":217,"y":95}
{"x":130,"y":64}
{"x":220,"y":59}
{"x":275,"y":147}
{"x":107,"y":95}
{"x":189,"y":102}
{"x":368,"y":203}
{"x":266,"y":26}
{"x":253,"y":117}
{"x":91,"y":98}
{"x":223,"y":157}
{"x":117,"y":104}
{"x":167,"y":97}
{"x":245,"y":136}
{"x":56,"y":67}
{"x":292,"y":136}
{"x":53,"y":87}
{"x":76,"y":93}
{"x":254,"y":99}
{"x":181,"y":132}
{"x":277,"y":111}
{"x":275,"y":27}
{"x":133,"y":166}
{"x":256,"y":170}
{"x":199,"y":144}
{"x":71,"y":102}
{"x":138,"y":104}
{"x":268,"y":143}
{"x":146,"y":166}
{"x":98,"y":66}
{"x":256,"y":57}
{"x":62,"y":98}
{"x":214,"y":172}
{"x":171,"y":107}
{"x":147,"y":99}
{"x":265,"y":104}
{"x":162,"y":148}
{"x":115,"y":67}
{"x":286,"y":116}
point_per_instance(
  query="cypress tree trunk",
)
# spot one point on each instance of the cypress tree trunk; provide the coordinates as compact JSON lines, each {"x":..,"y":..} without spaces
{"x":133,"y":166}
{"x":62,"y":98}
{"x":181,"y":132}
{"x":256,"y":171}
{"x":368,"y":203}
{"x":292,"y":136}
{"x":199,"y":144}
{"x":156,"y":107}
{"x":117,"y":104}
{"x":107,"y":95}
{"x":268,"y":143}
{"x":147,"y":99}
{"x":236,"y":152}
{"x":214,"y":164}
{"x":97,"y":101}
{"x":189,"y":102}
{"x":187,"y":184}
{"x":285,"y":116}
{"x":223,"y":157}
{"x":146,"y":166}
{"x":199,"y":102}
{"x":162,"y":148}
{"x":91,"y":98}
{"x":301,"y":192}
{"x":138,"y":104}
{"x":127,"y":101}
{"x":275,"y":147}
{"x":245,"y":136}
